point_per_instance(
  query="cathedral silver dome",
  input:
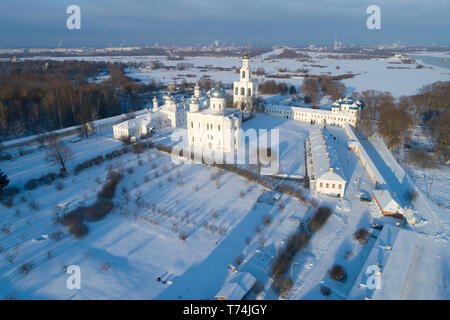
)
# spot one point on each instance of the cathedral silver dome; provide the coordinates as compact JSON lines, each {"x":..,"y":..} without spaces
{"x":217,"y":92}
{"x":194,"y":99}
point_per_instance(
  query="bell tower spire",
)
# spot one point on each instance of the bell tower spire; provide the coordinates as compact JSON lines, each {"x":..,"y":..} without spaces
{"x":245,"y":70}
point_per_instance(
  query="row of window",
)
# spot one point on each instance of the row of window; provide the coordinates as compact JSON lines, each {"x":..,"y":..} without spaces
{"x":302,"y":116}
{"x":208,"y":137}
{"x":209,"y":126}
{"x":236,"y":91}
{"x":333,"y":186}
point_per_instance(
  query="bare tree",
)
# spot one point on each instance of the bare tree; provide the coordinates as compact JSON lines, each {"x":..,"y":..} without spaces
{"x":366,"y":125}
{"x":3,"y":118}
{"x":59,"y":153}
{"x":370,"y":98}
{"x":311,"y":90}
{"x":438,"y":134}
{"x":260,"y":71}
{"x":393,"y":123}
{"x":84,"y":117}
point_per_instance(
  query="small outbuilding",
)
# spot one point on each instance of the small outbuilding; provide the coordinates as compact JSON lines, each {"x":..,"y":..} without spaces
{"x":237,"y":288}
{"x":388,"y":204}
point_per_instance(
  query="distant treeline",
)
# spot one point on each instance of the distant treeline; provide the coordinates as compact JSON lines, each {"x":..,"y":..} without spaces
{"x":289,"y":54}
{"x":39,"y":96}
{"x":313,"y":88}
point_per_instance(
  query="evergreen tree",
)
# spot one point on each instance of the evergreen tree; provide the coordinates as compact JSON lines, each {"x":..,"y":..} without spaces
{"x":3,"y":180}
{"x":292,"y":90}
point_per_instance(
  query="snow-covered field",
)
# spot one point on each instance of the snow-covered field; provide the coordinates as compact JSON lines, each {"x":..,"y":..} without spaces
{"x":141,"y":242}
{"x":217,"y":211}
{"x":138,"y":250}
{"x":372,"y":74}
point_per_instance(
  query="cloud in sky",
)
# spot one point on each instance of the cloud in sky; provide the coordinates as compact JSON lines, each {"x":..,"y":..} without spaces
{"x":28,"y":23}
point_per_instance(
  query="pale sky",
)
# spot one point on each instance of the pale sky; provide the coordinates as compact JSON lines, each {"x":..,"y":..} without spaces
{"x":42,"y":23}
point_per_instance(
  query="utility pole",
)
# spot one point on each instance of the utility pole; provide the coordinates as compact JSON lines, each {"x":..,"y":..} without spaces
{"x":428,"y":186}
{"x":292,"y":268}
{"x":306,"y":163}
{"x":429,"y":190}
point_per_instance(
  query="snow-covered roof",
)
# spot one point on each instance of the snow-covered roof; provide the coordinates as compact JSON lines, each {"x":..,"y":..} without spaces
{"x":326,"y":161}
{"x":237,"y":287}
{"x":387,"y":201}
{"x":298,"y":109}
{"x":392,"y":253}
{"x":354,"y":142}
{"x":226,"y":112}
{"x":268,"y":250}
{"x":348,"y":100}
{"x":336,"y":105}
{"x":133,"y":123}
{"x":324,"y":112}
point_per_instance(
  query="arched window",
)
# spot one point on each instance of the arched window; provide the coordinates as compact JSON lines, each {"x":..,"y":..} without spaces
{"x":249,"y":92}
{"x":243,"y":74}
{"x":236,"y":91}
{"x":242,"y":91}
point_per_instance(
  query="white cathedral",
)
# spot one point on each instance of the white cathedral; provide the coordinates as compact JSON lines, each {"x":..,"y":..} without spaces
{"x":216,"y":126}
{"x":209,"y":122}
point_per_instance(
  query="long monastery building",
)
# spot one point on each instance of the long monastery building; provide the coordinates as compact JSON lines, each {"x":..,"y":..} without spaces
{"x":342,"y":111}
{"x":328,"y":175}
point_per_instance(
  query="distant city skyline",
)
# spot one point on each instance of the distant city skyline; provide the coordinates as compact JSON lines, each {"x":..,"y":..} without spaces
{"x":42,"y":23}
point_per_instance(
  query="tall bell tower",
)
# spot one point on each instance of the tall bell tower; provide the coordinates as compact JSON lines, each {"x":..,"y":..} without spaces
{"x":243,"y":92}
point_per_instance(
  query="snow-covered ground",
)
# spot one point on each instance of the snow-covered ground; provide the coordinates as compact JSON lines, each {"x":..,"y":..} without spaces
{"x":141,"y":240}
{"x":438,"y":179}
{"x":217,"y":211}
{"x":180,"y":198}
{"x":138,"y":250}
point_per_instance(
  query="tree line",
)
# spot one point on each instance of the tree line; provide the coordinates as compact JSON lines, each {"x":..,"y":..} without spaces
{"x":313,"y":87}
{"x":41,"y":96}
{"x":393,"y":118}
